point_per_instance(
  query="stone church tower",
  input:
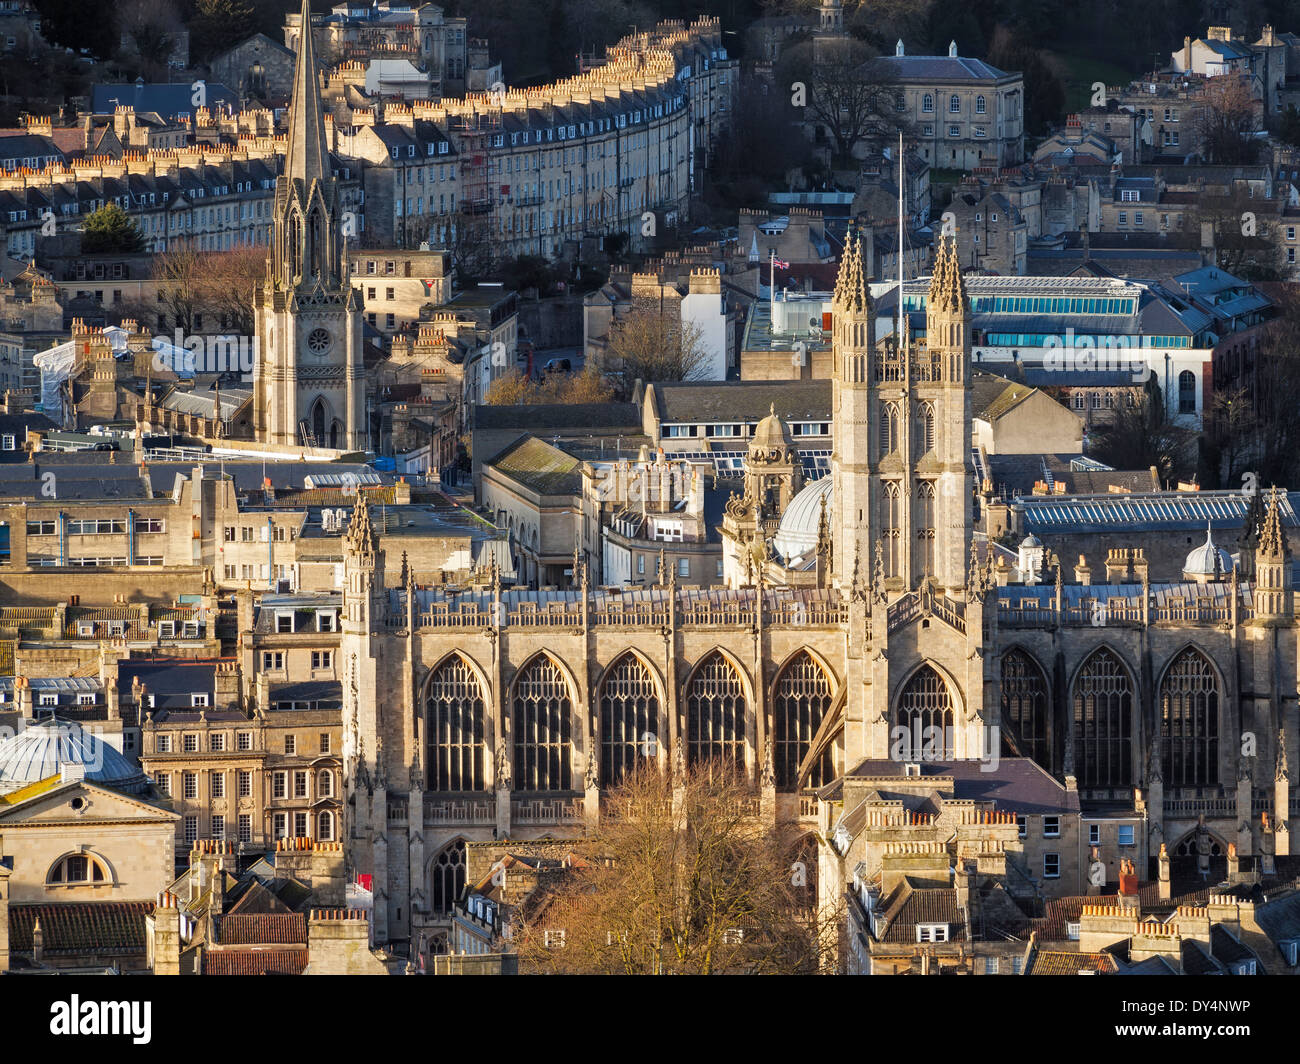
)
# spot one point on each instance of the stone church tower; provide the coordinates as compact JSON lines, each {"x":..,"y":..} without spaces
{"x":309,"y":380}
{"x":901,"y":468}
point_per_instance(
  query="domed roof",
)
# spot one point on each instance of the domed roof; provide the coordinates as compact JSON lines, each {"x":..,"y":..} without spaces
{"x":797,"y":533}
{"x":1031,"y":540}
{"x":1207,"y":559}
{"x":771,"y":433}
{"x":41,"y":750}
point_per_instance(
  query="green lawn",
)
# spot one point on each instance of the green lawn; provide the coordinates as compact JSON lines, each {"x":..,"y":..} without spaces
{"x":1079,"y":72}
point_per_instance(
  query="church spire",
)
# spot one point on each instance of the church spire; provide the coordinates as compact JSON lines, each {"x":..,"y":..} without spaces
{"x":850,"y":285}
{"x":307,"y":157}
{"x":947,"y":286}
{"x":1273,"y":543}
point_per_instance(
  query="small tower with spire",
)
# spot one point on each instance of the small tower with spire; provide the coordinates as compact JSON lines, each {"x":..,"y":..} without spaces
{"x":1273,"y":592}
{"x":308,"y":378}
{"x":852,"y":327}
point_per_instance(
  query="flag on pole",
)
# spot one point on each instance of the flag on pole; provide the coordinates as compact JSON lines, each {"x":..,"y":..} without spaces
{"x":780,"y":264}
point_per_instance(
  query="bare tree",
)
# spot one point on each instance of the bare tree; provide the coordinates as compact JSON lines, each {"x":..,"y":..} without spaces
{"x":1256,"y":426}
{"x":1245,"y":234}
{"x":176,"y":273}
{"x":847,"y":91}
{"x":220,"y":284}
{"x":1141,"y":435}
{"x":1227,"y":119}
{"x":682,"y":881}
{"x":651,"y":343}
{"x":152,"y":28}
{"x":515,"y":389}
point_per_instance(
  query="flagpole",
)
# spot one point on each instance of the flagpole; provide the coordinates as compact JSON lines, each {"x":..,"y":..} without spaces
{"x":900,"y":236}
{"x":772,"y":287}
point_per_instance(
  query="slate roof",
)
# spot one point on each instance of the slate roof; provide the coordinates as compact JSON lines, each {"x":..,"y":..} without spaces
{"x":1196,"y":961}
{"x":99,"y":927}
{"x":1280,"y":919}
{"x":171,"y":682}
{"x":691,"y":401}
{"x":910,"y":905}
{"x":939,"y":67}
{"x":169,"y":101}
{"x":1016,"y":785}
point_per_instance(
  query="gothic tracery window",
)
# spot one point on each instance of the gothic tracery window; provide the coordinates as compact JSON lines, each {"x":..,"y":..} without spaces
{"x":455,"y":711}
{"x":542,"y":728}
{"x":1189,"y":721}
{"x":448,"y":875}
{"x":1025,"y":706}
{"x":715,"y":714}
{"x":888,"y":428}
{"x":925,"y":527}
{"x":802,"y":698}
{"x":629,"y":719}
{"x":925,"y":428}
{"x":1103,"y":722}
{"x":893,"y":530}
{"x":924,"y":719}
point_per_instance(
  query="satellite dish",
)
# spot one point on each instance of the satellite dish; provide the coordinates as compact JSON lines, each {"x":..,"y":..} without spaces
{"x":815,"y":323}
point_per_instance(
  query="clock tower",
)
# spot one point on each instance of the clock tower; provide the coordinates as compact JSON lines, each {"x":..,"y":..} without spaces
{"x":309,"y":384}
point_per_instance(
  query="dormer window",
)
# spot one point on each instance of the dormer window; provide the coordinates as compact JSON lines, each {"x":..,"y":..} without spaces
{"x":199,"y":699}
{"x":931,"y":932}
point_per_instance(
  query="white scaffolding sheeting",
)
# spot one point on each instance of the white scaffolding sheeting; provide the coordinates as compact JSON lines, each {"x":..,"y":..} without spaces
{"x":56,"y":364}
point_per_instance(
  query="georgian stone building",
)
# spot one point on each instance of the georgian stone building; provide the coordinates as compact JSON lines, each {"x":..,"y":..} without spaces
{"x":508,"y":713}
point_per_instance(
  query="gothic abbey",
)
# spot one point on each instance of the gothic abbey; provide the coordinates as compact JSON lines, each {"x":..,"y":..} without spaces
{"x":494,"y":712}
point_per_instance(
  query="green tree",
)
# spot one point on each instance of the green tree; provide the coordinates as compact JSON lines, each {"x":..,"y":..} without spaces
{"x":221,"y":24}
{"x":1044,"y":93}
{"x":110,"y":229}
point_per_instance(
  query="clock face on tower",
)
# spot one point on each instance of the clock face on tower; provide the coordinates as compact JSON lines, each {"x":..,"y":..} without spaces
{"x":319,"y":341}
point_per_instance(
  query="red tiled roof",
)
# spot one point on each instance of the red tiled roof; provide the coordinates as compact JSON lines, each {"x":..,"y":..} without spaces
{"x":99,"y":926}
{"x":255,"y":962}
{"x":263,"y":929}
{"x":1046,"y":962}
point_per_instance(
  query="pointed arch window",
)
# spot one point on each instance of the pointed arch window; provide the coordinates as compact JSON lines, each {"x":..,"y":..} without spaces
{"x":1025,"y":707}
{"x":893,"y":530}
{"x":294,"y":242}
{"x":455,"y":715}
{"x":888,"y":428}
{"x":1189,"y":721}
{"x":316,"y":242}
{"x":542,"y":724}
{"x":715,"y":714}
{"x":923,"y":719}
{"x":1103,"y":722}
{"x":629,"y":719}
{"x":802,"y":698}
{"x":448,"y":876}
{"x":925,"y":428}
{"x":925,"y":527}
